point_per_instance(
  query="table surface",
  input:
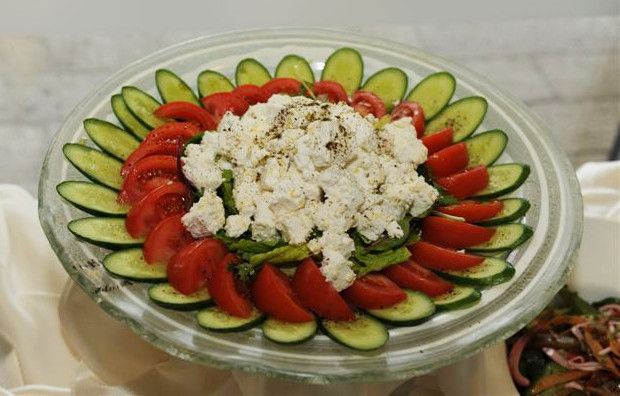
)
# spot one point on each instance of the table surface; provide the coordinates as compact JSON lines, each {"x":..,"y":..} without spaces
{"x":565,"y":70}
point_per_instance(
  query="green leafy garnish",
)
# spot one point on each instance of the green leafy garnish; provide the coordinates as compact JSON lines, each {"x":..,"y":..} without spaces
{"x":247,"y":245}
{"x":281,"y":255}
{"x":226,"y":192}
{"x":367,"y":262}
{"x":385,"y":243}
{"x":577,"y":304}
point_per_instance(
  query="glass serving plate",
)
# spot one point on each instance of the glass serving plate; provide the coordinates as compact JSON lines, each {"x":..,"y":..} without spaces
{"x":541,"y":265}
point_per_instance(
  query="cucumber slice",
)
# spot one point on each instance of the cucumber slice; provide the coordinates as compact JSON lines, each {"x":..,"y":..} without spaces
{"x":486,"y":147}
{"x":506,"y":237}
{"x":463,"y":116}
{"x":215,"y":319}
{"x":415,"y":309}
{"x":130,"y":264}
{"x":142,"y":105}
{"x":127,"y":119}
{"x":97,"y":166}
{"x":288,"y":333}
{"x":459,"y":298}
{"x":389,"y":84}
{"x":294,"y":66}
{"x":344,"y":66}
{"x":172,"y":88}
{"x":364,"y":333}
{"x":251,"y":71}
{"x":106,"y":232}
{"x":167,"y":296}
{"x":503,"y":179}
{"x":210,"y":82}
{"x":433,"y":93}
{"x":492,"y":271}
{"x":513,"y":209}
{"x":110,"y":138}
{"x":92,"y":198}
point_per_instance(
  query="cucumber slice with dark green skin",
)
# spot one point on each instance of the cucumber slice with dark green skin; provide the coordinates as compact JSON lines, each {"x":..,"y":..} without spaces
{"x":344,"y":66}
{"x":389,"y":84}
{"x":215,"y":319}
{"x":485,"y":148}
{"x":492,"y":271}
{"x":507,"y":237}
{"x":433,"y":93}
{"x":463,"y":116}
{"x":512,"y":209}
{"x":210,"y":82}
{"x":97,"y":166}
{"x":142,"y":105}
{"x":415,"y":309}
{"x":167,"y":296}
{"x":92,"y":198}
{"x":288,"y":333}
{"x":503,"y":179}
{"x":251,"y":71}
{"x":364,"y":333}
{"x":127,"y":119}
{"x":130,"y":264}
{"x":460,"y":297}
{"x":110,"y":138}
{"x":294,"y":66}
{"x":172,"y":88}
{"x":107,"y":232}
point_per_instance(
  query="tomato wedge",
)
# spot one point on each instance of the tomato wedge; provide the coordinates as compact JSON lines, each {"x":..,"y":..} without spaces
{"x":147,"y":174}
{"x":226,"y":291}
{"x":440,"y":258}
{"x":466,"y":183}
{"x":438,"y":141}
{"x":473,"y":211}
{"x":251,"y":93}
{"x":167,"y":238}
{"x":412,"y":110}
{"x":273,"y":295}
{"x":333,"y":91}
{"x":282,"y":85}
{"x":413,"y":276}
{"x":188,"y":112}
{"x":368,"y":103}
{"x":374,"y":291}
{"x":448,"y":161}
{"x":190,"y":268}
{"x":453,"y":233}
{"x":317,"y":294}
{"x":167,"y":200}
{"x":219,"y":103}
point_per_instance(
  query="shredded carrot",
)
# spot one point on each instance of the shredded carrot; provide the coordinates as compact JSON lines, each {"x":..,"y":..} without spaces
{"x":596,"y":347}
{"x":552,"y":380}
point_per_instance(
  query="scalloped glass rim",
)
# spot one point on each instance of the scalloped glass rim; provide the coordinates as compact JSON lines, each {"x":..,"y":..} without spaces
{"x":542,"y":265}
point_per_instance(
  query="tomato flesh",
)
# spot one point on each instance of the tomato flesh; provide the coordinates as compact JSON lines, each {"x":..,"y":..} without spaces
{"x":453,"y":233}
{"x":368,"y":103}
{"x":473,"y":211}
{"x":440,"y":258}
{"x":438,"y":141}
{"x":448,"y":161}
{"x":251,"y":93}
{"x":188,"y":112}
{"x":318,"y":295}
{"x":219,"y":103}
{"x":167,"y":238}
{"x":147,"y":174}
{"x":374,"y":291}
{"x":412,"y":110}
{"x":226,"y":291}
{"x":333,"y":91}
{"x":283,"y":85}
{"x":273,"y":295}
{"x":413,"y":276}
{"x":466,"y":183}
{"x":190,"y":268}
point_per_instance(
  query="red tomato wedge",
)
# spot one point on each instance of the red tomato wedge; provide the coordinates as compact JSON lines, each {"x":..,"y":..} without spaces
{"x":273,"y":295}
{"x":146,"y":175}
{"x":333,"y":91}
{"x":466,"y":183}
{"x":147,"y":150}
{"x":317,"y":294}
{"x":167,"y":238}
{"x":413,"y":276}
{"x":438,"y":141}
{"x":219,"y":103}
{"x":188,"y":112}
{"x":440,"y":258}
{"x":374,"y":291}
{"x":190,"y":268}
{"x":448,"y":161}
{"x":164,"y":201}
{"x":251,"y":93}
{"x":412,"y":110}
{"x":453,"y":233}
{"x":473,"y":211}
{"x":283,"y":85}
{"x":226,"y":291}
{"x":368,"y":103}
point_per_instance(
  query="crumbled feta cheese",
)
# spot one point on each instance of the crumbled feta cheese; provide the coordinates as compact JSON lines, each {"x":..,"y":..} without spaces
{"x":337,"y":269}
{"x":206,"y":216}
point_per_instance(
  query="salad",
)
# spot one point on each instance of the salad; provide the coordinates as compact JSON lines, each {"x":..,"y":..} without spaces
{"x":297,"y":205}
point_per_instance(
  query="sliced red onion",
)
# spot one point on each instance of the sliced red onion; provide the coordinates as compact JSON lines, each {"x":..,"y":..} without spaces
{"x":514,"y":357}
{"x":610,"y":307}
{"x":573,"y":385}
{"x":574,"y":363}
{"x":604,"y":351}
{"x":576,"y":330}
